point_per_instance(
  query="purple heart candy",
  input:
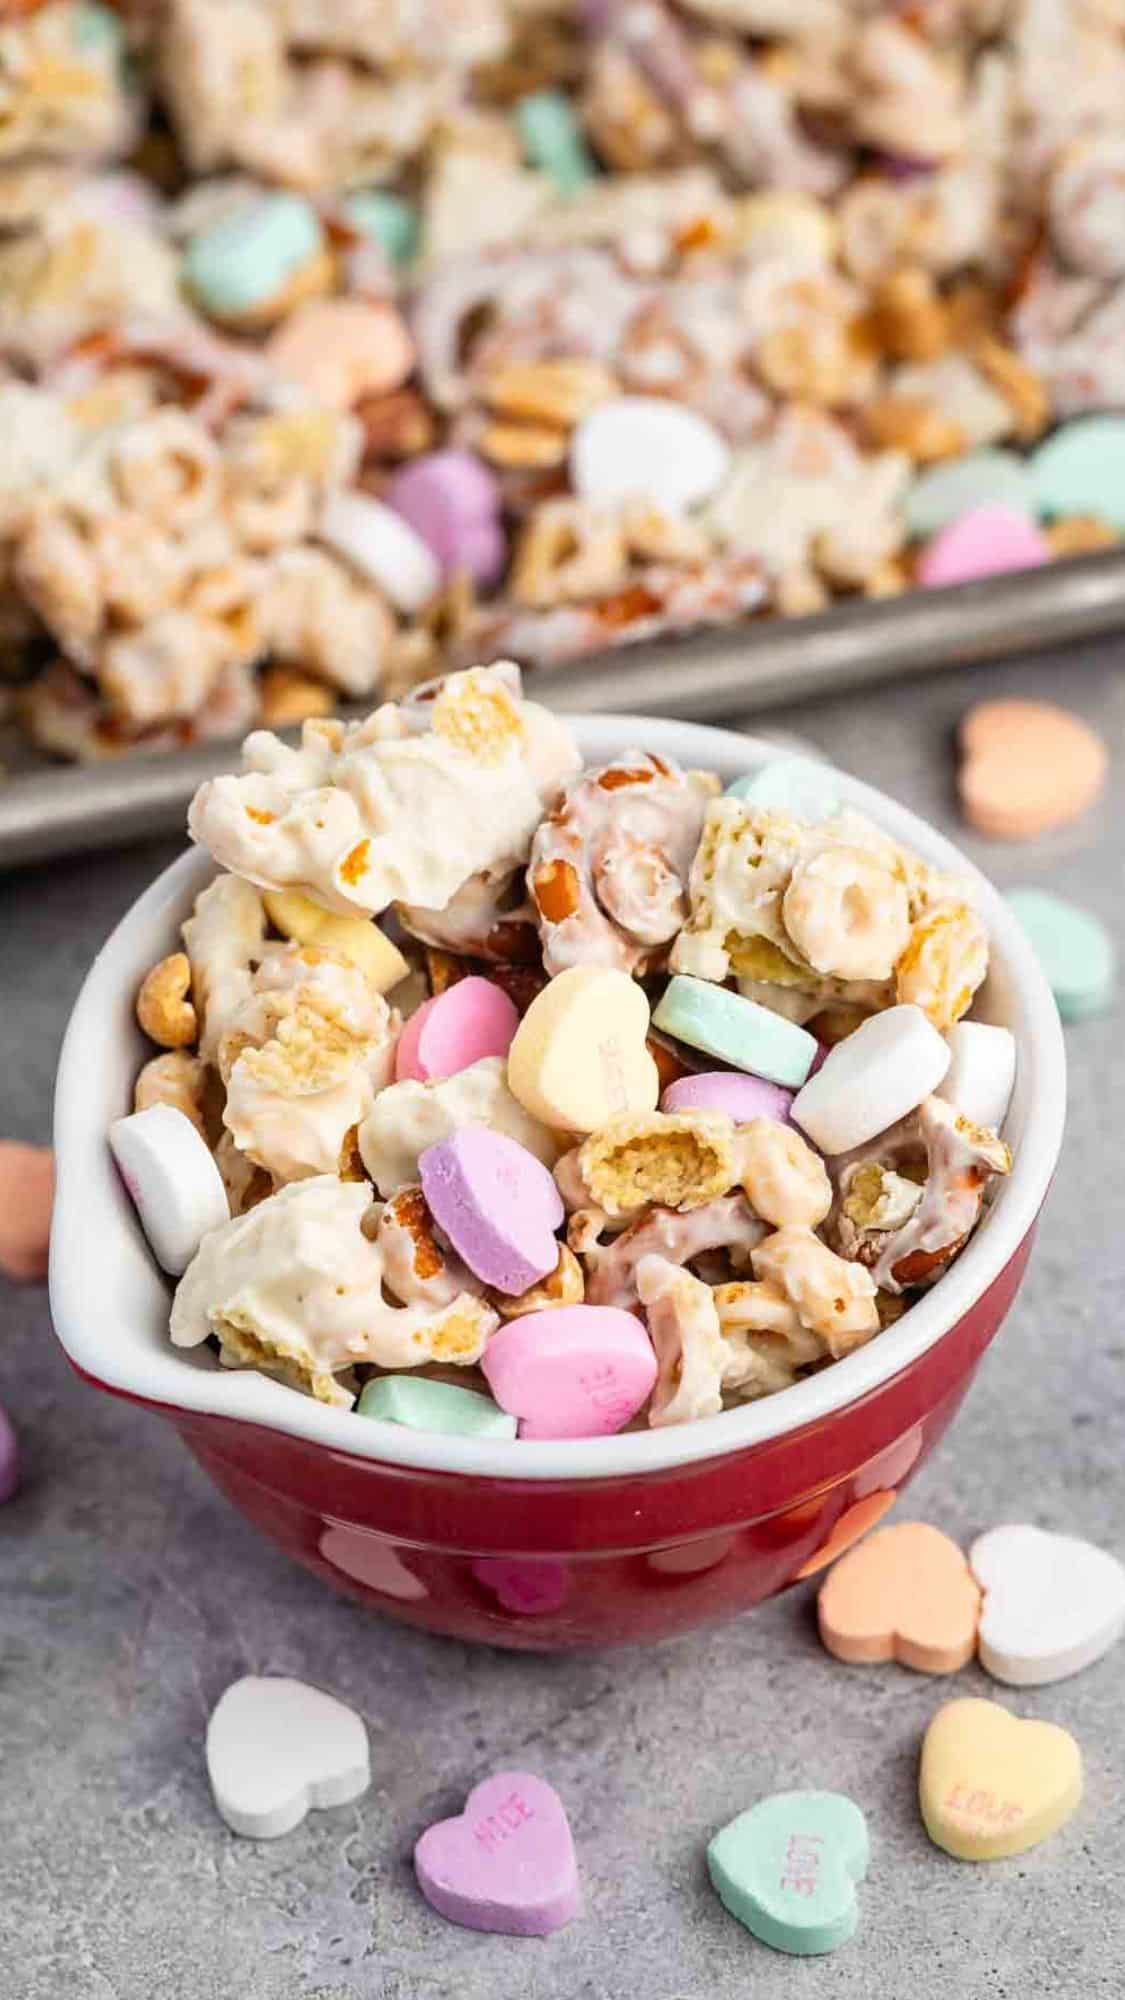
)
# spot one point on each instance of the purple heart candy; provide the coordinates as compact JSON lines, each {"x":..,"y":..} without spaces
{"x":9,"y":1458}
{"x":506,"y":1863}
{"x":496,"y":1203}
{"x":451,"y":499}
{"x":740,"y":1095}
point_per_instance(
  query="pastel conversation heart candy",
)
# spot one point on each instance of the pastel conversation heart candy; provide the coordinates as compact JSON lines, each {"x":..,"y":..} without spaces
{"x":736,"y":1030}
{"x":341,"y":350}
{"x":990,"y":1784}
{"x":472,"y":1019}
{"x":382,"y":546}
{"x":506,"y":1863}
{"x":275,"y":1748}
{"x":452,"y":501}
{"x":1080,"y":469}
{"x":444,"y":1407}
{"x":981,"y":1073}
{"x":576,"y":1371}
{"x":1027,"y":766}
{"x":553,"y":140}
{"x":247,"y":262}
{"x":904,"y":1594}
{"x":176,"y":1187}
{"x":788,"y":1869}
{"x":872,"y":1079}
{"x":27,"y":1189}
{"x":1052,"y":1604}
{"x":740,"y":1096}
{"x":984,"y":542}
{"x":944,"y":493}
{"x":497,"y":1204}
{"x":1074,"y":949}
{"x":579,"y":1057}
{"x":9,"y":1457}
{"x":799,"y":785}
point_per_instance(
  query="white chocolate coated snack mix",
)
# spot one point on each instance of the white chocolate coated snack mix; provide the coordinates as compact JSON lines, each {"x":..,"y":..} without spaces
{"x":679,"y":1261}
{"x":343,"y":345}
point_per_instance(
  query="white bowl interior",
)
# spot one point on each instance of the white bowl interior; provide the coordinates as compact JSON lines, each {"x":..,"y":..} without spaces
{"x":110,"y":1303}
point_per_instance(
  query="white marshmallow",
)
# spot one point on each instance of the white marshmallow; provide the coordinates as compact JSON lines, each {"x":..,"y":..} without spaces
{"x":382,"y":546}
{"x":872,"y":1079}
{"x":982,"y":1072}
{"x":176,"y":1187}
{"x":642,"y":447}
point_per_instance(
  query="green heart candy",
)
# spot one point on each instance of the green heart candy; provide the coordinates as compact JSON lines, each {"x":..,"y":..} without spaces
{"x":794,"y":785}
{"x":1074,"y":949}
{"x":787,"y":1869}
{"x":1080,"y":469}
{"x":422,"y":1405}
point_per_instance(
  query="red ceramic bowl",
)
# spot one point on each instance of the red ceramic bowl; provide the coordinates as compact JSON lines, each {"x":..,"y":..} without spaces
{"x":571,"y":1543}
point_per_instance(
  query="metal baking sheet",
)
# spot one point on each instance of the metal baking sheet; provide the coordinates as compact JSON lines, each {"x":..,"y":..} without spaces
{"x":55,"y":809}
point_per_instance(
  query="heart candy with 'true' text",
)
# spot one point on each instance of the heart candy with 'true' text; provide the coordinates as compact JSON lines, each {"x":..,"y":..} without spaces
{"x":504,"y":1864}
{"x":906,"y":1594}
{"x":1052,"y":1604}
{"x":275,"y":1747}
{"x":992,"y":1784}
{"x":788,"y":1869}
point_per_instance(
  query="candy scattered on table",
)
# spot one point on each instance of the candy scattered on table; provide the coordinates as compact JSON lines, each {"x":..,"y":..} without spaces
{"x":982,"y":1072}
{"x":1080,"y":469}
{"x":1074,"y":948}
{"x":467,"y":1022}
{"x":496,"y":1203}
{"x":991,"y":1784}
{"x":9,"y":1457}
{"x":276,"y":1748}
{"x":506,"y":1863}
{"x":788,"y":1869}
{"x":738,"y":1031}
{"x":440,"y":1407}
{"x":176,"y":1187}
{"x":1052,"y":1604}
{"x":906,"y":1594}
{"x":579,"y":1056}
{"x":798,"y":785}
{"x":872,"y":1079}
{"x":1027,"y":766}
{"x":985,"y":542}
{"x":579,"y":1371}
{"x":27,"y":1190}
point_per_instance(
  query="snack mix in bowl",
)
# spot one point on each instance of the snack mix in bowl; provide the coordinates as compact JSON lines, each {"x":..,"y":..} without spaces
{"x":344,"y":344}
{"x":600,"y":1094}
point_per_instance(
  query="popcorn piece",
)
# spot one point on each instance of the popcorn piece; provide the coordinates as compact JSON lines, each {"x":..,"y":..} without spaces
{"x":223,"y":939}
{"x":833,"y":1298}
{"x":302,"y":1061}
{"x":347,"y":822}
{"x":679,"y":1159}
{"x":609,"y":865}
{"x":295,"y":1286}
{"x":908,"y":1201}
{"x":685,"y":1331}
{"x":319,"y":615}
{"x":805,"y":915}
{"x":164,"y":1011}
{"x":408,"y":1117}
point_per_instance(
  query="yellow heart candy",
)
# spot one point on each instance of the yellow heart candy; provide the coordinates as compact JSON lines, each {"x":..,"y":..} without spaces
{"x":357,"y":939}
{"x":579,"y":1057}
{"x":992,"y":1784}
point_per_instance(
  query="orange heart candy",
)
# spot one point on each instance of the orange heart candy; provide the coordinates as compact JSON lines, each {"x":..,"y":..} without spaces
{"x":1027,"y":766}
{"x":904,"y":1594}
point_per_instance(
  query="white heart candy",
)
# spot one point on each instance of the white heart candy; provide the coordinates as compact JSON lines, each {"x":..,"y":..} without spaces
{"x":276,"y":1747}
{"x":382,"y":546}
{"x":1052,"y":1604}
{"x":645,"y":447}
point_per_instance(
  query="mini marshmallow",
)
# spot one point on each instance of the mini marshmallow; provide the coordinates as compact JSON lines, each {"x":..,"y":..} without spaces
{"x":981,"y":1073}
{"x":872,"y":1079}
{"x":176,"y":1187}
{"x":382,"y":546}
{"x":650,"y":448}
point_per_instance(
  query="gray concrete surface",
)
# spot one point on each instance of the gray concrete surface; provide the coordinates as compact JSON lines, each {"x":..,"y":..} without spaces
{"x":130,"y":1595}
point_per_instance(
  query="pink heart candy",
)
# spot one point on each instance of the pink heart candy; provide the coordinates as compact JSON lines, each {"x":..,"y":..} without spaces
{"x":740,"y":1095}
{"x":451,"y":499}
{"x":576,"y":1371}
{"x":983,"y":542}
{"x":506,"y":1863}
{"x":496,"y":1203}
{"x":468,"y":1021}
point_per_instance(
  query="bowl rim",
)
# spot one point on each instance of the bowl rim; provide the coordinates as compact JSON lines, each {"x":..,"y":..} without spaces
{"x":86,"y":1321}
